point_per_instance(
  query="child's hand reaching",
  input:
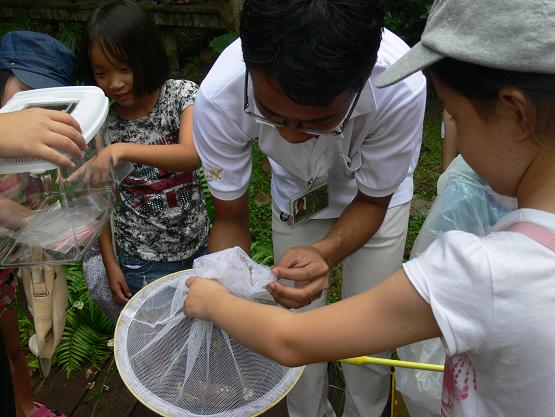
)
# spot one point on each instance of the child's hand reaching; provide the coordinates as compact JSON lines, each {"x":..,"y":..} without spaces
{"x":201,"y":293}
{"x":96,"y":170}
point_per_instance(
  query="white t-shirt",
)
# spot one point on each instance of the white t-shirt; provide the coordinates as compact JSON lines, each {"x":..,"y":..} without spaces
{"x":493,"y":298}
{"x":376,"y":153}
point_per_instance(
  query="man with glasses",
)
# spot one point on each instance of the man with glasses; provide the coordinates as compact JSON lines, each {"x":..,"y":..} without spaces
{"x":302,"y":80}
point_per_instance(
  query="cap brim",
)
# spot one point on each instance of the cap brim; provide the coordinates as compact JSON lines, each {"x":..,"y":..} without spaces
{"x":35,"y":80}
{"x":419,"y":57}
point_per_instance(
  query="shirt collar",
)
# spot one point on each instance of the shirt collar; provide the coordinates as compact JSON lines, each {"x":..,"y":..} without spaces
{"x":367,"y":101}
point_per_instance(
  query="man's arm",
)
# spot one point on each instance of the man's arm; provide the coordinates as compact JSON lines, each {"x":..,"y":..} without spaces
{"x":231,"y":225}
{"x":358,"y":223}
{"x":310,"y":265}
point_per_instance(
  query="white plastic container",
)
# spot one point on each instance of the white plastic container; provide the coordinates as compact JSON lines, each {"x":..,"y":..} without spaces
{"x":44,"y":218}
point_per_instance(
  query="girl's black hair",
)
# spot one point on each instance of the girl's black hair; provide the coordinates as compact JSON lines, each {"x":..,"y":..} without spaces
{"x":481,"y":85}
{"x":127,"y":33}
{"x":312,"y":49}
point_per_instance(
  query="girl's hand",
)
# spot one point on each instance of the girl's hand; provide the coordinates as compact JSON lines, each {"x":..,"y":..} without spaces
{"x":118,"y":285}
{"x":202,"y":292}
{"x":41,"y":133}
{"x":97,"y":170}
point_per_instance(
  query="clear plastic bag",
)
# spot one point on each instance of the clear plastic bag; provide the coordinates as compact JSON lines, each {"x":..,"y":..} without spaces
{"x":464,"y":202}
{"x":59,"y":228}
{"x":187,"y":367}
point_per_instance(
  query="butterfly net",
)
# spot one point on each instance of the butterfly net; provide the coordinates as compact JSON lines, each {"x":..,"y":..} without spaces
{"x":179,"y":366}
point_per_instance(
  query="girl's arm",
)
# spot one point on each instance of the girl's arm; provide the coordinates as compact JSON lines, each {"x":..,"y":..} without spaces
{"x":116,"y":278}
{"x":389,"y":315}
{"x":182,"y":156}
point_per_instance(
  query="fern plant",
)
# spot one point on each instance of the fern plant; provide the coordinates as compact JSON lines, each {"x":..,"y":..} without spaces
{"x":86,"y":334}
{"x":207,"y":196}
{"x":87,"y":330}
{"x":70,"y":34}
{"x":18,"y":22}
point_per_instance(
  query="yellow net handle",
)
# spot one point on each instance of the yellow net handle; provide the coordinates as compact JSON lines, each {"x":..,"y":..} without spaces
{"x":362,"y":360}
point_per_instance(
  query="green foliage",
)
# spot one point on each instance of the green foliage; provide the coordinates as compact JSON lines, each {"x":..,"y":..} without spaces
{"x":86,"y":333}
{"x":407,"y":18}
{"x":429,"y":164}
{"x":80,"y":345}
{"x":260,"y":209}
{"x":26,"y":330}
{"x":334,"y":290}
{"x":415,"y":224}
{"x":70,"y":34}
{"x":219,"y":43}
{"x":18,"y":22}
{"x":207,"y":196}
{"x":261,"y":252}
{"x":193,"y":64}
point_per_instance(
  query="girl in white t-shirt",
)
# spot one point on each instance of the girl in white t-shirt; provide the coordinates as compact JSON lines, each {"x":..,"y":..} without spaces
{"x":491,"y":299}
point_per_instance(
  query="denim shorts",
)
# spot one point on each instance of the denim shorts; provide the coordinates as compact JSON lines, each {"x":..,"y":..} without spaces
{"x":139,"y":272}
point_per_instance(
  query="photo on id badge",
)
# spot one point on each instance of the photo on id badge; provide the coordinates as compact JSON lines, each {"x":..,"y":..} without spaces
{"x":305,"y":206}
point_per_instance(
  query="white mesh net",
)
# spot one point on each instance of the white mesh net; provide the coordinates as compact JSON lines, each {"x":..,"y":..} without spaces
{"x":179,"y":366}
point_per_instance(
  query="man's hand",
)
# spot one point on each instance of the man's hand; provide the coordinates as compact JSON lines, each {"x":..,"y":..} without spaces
{"x":308,"y":268}
{"x":201,"y":292}
{"x":118,"y":285}
{"x":41,"y":133}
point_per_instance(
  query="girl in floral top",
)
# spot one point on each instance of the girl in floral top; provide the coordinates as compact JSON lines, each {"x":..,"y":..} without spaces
{"x":161,"y":223}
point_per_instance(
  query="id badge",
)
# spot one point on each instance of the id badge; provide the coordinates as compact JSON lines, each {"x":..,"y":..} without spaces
{"x":303,"y":207}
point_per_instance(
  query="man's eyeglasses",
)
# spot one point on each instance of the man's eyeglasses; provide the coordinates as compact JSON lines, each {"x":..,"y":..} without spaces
{"x":337,"y":131}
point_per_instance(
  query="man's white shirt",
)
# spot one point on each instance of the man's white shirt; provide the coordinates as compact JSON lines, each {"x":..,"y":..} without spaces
{"x":376,"y":153}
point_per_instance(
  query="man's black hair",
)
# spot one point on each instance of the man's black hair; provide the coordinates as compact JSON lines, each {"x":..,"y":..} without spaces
{"x":312,"y":49}
{"x":127,"y":33}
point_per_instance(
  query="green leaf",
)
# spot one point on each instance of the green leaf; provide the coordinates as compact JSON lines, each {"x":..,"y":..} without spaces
{"x":221,"y":42}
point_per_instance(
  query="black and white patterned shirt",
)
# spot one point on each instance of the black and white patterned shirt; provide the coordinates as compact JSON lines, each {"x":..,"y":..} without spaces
{"x":162,"y":215}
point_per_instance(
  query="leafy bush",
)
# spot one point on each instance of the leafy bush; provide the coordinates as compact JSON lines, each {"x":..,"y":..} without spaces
{"x":407,"y":18}
{"x":70,"y":34}
{"x":88,"y":329}
{"x":18,"y":22}
{"x":86,"y":333}
{"x":221,"y":42}
{"x":260,"y":210}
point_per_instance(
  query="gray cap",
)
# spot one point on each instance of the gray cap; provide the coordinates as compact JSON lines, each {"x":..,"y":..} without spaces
{"x":513,"y":35}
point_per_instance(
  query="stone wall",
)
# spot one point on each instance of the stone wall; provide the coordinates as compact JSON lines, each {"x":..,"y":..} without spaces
{"x":186,"y":27}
